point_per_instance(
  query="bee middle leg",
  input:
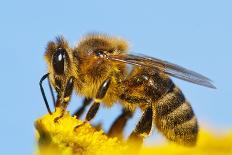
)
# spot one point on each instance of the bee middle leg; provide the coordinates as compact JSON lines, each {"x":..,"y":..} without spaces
{"x":81,"y":110}
{"x":143,"y":127}
{"x":100,"y":95}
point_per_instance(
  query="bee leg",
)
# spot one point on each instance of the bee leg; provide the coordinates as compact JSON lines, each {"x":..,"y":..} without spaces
{"x":67,"y":92}
{"x":43,"y":93}
{"x":100,"y":95}
{"x":116,"y":129}
{"x":62,"y":101}
{"x":143,"y":127}
{"x":81,"y":110}
{"x":52,"y":93}
{"x":103,"y":89}
{"x":90,"y":114}
{"x":92,"y":111}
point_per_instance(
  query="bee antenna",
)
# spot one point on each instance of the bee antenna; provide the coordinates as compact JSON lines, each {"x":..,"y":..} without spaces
{"x":51,"y":90}
{"x":42,"y":91}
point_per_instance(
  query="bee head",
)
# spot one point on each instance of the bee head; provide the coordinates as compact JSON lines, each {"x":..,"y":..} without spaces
{"x":58,"y":56}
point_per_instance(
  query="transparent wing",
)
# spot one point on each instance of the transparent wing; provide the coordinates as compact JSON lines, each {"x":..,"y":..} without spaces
{"x":163,"y":66}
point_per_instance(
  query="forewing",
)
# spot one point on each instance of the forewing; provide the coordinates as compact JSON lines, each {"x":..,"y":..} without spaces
{"x":163,"y":66}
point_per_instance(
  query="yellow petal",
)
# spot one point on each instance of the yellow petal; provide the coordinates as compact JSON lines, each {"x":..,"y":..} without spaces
{"x":66,"y":135}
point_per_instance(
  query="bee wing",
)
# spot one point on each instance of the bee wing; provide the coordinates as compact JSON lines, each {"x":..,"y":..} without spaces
{"x":163,"y":66}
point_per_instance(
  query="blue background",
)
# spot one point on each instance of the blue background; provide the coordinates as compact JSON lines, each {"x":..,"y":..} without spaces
{"x":195,"y":34}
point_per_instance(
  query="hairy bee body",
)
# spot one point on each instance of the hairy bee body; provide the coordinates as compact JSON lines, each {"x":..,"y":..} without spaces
{"x":143,"y":87}
{"x":172,"y":114}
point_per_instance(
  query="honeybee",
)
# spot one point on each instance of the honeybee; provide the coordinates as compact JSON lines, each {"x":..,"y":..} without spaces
{"x":97,"y":68}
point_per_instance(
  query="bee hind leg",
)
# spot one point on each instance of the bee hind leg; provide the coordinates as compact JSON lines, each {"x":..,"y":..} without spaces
{"x":143,"y":127}
{"x":116,"y":129}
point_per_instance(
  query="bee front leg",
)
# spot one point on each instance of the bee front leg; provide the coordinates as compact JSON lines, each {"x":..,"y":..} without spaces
{"x":116,"y":129}
{"x":63,"y":99}
{"x":100,"y":95}
{"x":143,"y":127}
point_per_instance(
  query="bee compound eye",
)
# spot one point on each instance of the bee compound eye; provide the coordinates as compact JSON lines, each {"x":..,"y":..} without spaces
{"x":59,"y":61}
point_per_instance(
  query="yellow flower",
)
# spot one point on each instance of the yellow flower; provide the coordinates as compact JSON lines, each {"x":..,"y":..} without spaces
{"x":208,"y":144}
{"x":66,"y":135}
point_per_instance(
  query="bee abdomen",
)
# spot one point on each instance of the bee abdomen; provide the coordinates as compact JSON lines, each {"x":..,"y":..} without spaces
{"x":175,"y":118}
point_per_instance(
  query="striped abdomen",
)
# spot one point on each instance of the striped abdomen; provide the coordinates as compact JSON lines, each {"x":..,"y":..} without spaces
{"x":174,"y":117}
{"x":172,"y":114}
